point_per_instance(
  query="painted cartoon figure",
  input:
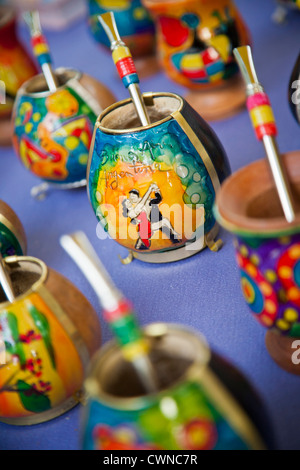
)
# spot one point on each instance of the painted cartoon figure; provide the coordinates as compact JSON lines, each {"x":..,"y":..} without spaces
{"x":196,"y":40}
{"x":145,"y":212}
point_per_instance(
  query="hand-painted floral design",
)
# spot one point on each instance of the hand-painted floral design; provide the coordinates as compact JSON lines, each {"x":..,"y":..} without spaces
{"x":32,"y":392}
{"x":40,"y":367}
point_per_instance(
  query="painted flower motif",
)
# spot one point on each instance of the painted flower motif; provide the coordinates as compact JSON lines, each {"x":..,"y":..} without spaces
{"x":43,"y":387}
{"x":62,"y":103}
{"x":200,"y":434}
{"x":29,"y":337}
{"x":34,"y":366}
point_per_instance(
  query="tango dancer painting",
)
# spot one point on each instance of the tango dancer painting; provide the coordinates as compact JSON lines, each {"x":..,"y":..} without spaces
{"x":144,"y":212}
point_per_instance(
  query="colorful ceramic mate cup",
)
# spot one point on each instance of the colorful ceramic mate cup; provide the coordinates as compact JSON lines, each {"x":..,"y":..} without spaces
{"x":53,"y":130}
{"x":153,"y":188}
{"x":12,"y":234}
{"x":15,"y":68}
{"x":294,"y":91}
{"x":133,"y":20}
{"x":268,"y":251}
{"x":47,"y":335}
{"x":203,"y":402}
{"x":196,"y":39}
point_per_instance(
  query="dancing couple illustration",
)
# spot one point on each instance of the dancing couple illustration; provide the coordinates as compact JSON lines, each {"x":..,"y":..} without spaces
{"x":144,"y":212}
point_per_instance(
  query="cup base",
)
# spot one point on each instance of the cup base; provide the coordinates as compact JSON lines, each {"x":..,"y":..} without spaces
{"x":281,"y":350}
{"x":181,"y":253}
{"x":219,"y":103}
{"x":40,"y":192}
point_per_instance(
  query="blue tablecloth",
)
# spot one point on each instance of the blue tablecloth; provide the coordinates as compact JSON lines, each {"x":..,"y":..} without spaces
{"x":202,"y":292}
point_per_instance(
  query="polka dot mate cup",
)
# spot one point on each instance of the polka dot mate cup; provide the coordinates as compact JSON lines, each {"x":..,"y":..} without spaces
{"x":53,"y":130}
{"x":268,"y":252}
{"x":47,"y":337}
{"x":202,"y":402}
{"x":153,"y":188}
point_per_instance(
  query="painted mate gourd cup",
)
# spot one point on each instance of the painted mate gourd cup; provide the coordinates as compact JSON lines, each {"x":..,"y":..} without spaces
{"x":203,"y":402}
{"x":153,"y":188}
{"x":196,"y":39}
{"x":12,"y":234}
{"x":15,"y":68}
{"x":294,"y":90}
{"x":53,"y":130}
{"x":49,"y":334}
{"x":134,"y":23}
{"x":268,"y":251}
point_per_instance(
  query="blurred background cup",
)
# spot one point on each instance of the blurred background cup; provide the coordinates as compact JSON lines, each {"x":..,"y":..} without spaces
{"x":196,"y":39}
{"x":16,"y":66}
{"x":55,"y":14}
{"x":202,"y":402}
{"x":135,"y":26}
{"x":53,"y":130}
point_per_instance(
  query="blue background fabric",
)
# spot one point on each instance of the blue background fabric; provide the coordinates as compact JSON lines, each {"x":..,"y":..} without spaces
{"x":202,"y":292}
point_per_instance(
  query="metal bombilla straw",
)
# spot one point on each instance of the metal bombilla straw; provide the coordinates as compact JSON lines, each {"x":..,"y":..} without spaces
{"x":123,"y":60}
{"x":40,"y":48}
{"x":5,"y":281}
{"x":263,"y":121}
{"x":117,"y":311}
